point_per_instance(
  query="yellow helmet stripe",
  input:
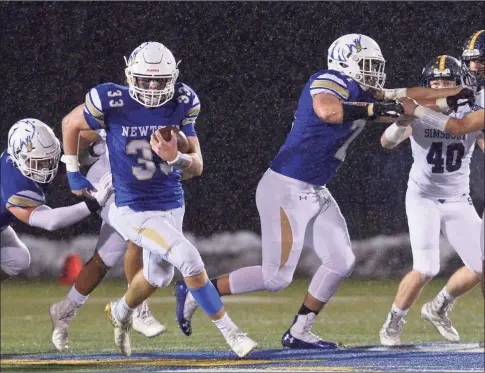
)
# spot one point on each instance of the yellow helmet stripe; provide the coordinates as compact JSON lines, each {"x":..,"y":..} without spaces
{"x":473,"y":40}
{"x":442,"y":64}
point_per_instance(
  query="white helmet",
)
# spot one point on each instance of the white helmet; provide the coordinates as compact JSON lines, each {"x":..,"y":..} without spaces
{"x":360,"y":58}
{"x":151,"y":73}
{"x":34,"y":149}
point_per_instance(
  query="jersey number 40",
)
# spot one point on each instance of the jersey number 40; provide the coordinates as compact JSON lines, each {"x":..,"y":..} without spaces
{"x":454,"y":154}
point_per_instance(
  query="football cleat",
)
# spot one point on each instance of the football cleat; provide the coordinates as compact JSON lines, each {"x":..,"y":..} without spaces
{"x":390,"y":333}
{"x":185,"y":307}
{"x":60,"y":324}
{"x":144,"y":322}
{"x":121,"y":329}
{"x":437,"y":313}
{"x":240,"y":343}
{"x":297,"y":337}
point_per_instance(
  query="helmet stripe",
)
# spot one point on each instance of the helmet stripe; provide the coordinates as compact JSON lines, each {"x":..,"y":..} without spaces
{"x":474,"y":38}
{"x":442,"y":64}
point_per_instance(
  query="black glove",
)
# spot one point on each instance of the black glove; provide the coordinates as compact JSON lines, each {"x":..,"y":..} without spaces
{"x":391,"y":108}
{"x":464,"y":97}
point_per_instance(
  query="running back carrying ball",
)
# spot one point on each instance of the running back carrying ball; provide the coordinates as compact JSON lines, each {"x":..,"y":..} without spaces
{"x":182,"y":142}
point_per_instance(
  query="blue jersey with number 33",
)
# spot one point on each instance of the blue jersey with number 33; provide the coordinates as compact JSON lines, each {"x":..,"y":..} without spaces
{"x":314,"y":150}
{"x":142,"y":180}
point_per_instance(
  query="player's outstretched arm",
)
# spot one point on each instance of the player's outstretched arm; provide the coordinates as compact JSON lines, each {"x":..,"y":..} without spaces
{"x":445,"y":100}
{"x":472,"y":122}
{"x":396,"y":133}
{"x":332,"y":110}
{"x":72,"y":125}
{"x":417,"y":93}
{"x":42,"y":216}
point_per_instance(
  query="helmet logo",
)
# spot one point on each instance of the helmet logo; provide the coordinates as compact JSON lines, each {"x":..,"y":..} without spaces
{"x":356,"y":45}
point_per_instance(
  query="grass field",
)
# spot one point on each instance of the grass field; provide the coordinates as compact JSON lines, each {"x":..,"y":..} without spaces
{"x":353,"y":317}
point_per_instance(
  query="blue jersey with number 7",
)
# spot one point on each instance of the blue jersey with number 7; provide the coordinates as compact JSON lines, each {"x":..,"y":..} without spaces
{"x":314,"y":150}
{"x":141,"y":179}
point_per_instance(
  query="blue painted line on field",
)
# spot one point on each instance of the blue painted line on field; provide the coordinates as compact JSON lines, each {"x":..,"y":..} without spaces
{"x":437,"y":357}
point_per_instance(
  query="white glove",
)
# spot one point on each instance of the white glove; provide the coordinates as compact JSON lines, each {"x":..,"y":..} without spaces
{"x":104,"y":189}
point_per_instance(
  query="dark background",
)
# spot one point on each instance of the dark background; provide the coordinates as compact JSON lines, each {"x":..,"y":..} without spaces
{"x":248,"y":63}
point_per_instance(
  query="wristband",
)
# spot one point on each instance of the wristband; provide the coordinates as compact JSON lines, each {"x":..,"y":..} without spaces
{"x":357,"y":110}
{"x":92,"y":204}
{"x":431,"y":118}
{"x":71,"y":161}
{"x":181,"y":161}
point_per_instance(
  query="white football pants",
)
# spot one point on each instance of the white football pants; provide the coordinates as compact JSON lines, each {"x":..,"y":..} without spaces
{"x":294,"y":214}
{"x":456,"y":218}
{"x":160,"y":235}
{"x":111,"y":246}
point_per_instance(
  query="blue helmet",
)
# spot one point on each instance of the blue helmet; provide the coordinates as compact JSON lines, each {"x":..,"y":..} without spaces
{"x":474,"y":49}
{"x":442,"y":67}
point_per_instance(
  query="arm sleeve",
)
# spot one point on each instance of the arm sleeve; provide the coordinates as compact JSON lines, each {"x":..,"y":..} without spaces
{"x":62,"y":217}
{"x":330,"y":83}
{"x":93,"y":110}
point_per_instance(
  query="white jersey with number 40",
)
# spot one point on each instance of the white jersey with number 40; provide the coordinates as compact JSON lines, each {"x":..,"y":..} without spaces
{"x":441,"y":166}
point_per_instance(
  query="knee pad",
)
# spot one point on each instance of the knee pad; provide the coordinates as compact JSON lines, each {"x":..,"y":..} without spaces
{"x":325,"y":283}
{"x":427,"y":269}
{"x":186,"y":258}
{"x":275,"y":281}
{"x":15,"y":260}
{"x":158,"y":272}
{"x":347,"y":268}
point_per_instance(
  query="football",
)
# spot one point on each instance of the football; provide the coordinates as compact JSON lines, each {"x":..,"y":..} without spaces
{"x":182,"y":142}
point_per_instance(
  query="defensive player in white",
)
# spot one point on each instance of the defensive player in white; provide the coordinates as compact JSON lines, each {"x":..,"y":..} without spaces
{"x":28,"y":167}
{"x":473,"y":57}
{"x":110,"y":248}
{"x":437,"y":200}
{"x":149,"y":198}
{"x":295,"y":207}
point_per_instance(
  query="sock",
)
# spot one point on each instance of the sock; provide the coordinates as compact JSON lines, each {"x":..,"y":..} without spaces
{"x":214,"y":282}
{"x":445,"y":295}
{"x":76,"y":297}
{"x":246,"y":280}
{"x":225,"y":324}
{"x":399,"y":312}
{"x":207,"y":298}
{"x":303,"y":322}
{"x":122,"y":311}
{"x":304,"y":310}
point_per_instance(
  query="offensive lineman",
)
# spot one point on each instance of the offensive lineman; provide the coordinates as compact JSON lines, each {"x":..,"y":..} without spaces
{"x":149,"y":201}
{"x":437,"y":199}
{"x":295,"y":207}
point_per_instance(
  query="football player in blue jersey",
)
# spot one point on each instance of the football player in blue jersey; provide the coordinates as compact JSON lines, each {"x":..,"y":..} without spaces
{"x":110,"y":248}
{"x":27,"y":168}
{"x":149,"y":199}
{"x":295,"y":207}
